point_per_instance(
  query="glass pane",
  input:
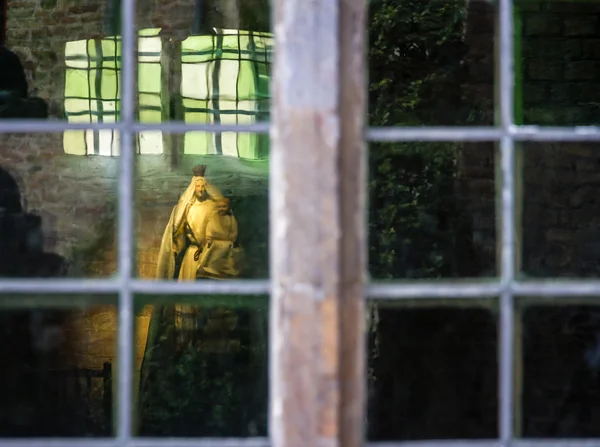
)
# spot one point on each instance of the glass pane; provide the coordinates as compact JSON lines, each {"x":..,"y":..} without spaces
{"x":59,"y":361}
{"x":561,"y":210}
{"x":202,"y":366}
{"x":58,"y":202}
{"x":432,"y":371}
{"x":207,"y":62}
{"x":559,"y":367}
{"x":558,"y":68}
{"x":202,"y":210}
{"x":60,"y":63}
{"x":432,"y":210}
{"x":431,"y":62}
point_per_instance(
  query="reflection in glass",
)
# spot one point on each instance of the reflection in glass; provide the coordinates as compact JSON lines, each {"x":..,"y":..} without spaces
{"x":57,"y":211}
{"x":431,"y":62}
{"x":204,"y":367}
{"x":201,"y":237}
{"x":431,"y":210}
{"x":561,"y":393}
{"x":201,"y":216}
{"x":432,"y":372}
{"x":557,"y":72}
{"x":561,"y":226}
{"x":58,"y":369}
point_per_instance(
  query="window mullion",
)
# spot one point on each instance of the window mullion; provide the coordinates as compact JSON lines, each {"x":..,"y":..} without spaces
{"x":306,"y":227}
{"x":353,"y":247}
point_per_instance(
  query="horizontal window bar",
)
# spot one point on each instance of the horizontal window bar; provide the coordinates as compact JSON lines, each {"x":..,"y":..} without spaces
{"x":520,"y":133}
{"x":458,"y":290}
{"x":113,"y":286}
{"x":375,"y":290}
{"x":392,"y":134}
{"x":41,"y":126}
{"x":454,"y":290}
{"x":138,"y":442}
{"x":381,"y":134}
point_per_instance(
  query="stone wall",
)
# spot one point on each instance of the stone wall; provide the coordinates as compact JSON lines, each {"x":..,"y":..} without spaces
{"x":561,"y":86}
{"x":560,"y":78}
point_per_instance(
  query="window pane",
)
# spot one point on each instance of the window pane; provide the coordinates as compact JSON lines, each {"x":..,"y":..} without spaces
{"x":560,"y":213}
{"x":60,"y":63}
{"x":59,"y":366}
{"x":207,"y":62}
{"x":431,"y":62}
{"x":202,"y":366}
{"x":560,"y":369}
{"x":58,"y":208}
{"x":432,"y":371}
{"x":432,"y":210}
{"x":224,"y":232}
{"x":558,"y":62}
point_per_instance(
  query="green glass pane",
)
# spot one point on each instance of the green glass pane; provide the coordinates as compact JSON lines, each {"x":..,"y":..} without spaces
{"x":77,"y":110}
{"x":76,"y":55}
{"x":109,"y":84}
{"x":197,"y":111}
{"x":197,"y":49}
{"x":149,"y":78}
{"x":149,"y":32}
{"x":150,"y":100}
{"x":74,"y":142}
{"x":198,"y":143}
{"x":76,"y":83}
{"x":228,"y":78}
{"x":150,"y":116}
{"x":111,"y":53}
{"x":246,"y":83}
{"x":248,"y":146}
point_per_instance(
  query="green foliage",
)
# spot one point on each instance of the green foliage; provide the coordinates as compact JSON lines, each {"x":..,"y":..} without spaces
{"x":201,"y":393}
{"x":416,"y":71}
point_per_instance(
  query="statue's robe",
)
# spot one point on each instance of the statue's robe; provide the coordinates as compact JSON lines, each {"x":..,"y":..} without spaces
{"x":220,"y":257}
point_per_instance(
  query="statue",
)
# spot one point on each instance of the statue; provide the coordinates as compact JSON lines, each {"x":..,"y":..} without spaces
{"x":184,"y":238}
{"x":199,"y":241}
{"x":221,"y":255}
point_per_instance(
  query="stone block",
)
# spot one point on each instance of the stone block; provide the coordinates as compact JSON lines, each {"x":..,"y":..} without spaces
{"x":544,"y":69}
{"x":546,"y":25}
{"x":572,"y":6}
{"x":583,"y":70}
{"x":585,"y":25}
{"x":590,"y":48}
{"x":551,"y":48}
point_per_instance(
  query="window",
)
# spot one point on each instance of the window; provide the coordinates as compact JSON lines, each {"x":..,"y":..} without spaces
{"x":92,"y":93}
{"x":233,"y":69}
{"x":211,"y":61}
{"x":320,"y":299}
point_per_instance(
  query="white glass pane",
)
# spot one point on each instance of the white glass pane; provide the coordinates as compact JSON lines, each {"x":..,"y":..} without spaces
{"x":150,"y":142}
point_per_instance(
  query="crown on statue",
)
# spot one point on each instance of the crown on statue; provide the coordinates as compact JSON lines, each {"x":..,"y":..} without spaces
{"x":199,"y":170}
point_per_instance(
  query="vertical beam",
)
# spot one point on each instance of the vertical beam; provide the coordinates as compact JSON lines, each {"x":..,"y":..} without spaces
{"x":505,"y":95}
{"x":126,"y":205}
{"x":353,"y":185}
{"x":306,"y":228}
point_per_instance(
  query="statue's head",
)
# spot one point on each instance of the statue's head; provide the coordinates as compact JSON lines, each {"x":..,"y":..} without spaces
{"x":199,"y":182}
{"x":223,"y":206}
{"x":199,"y":188}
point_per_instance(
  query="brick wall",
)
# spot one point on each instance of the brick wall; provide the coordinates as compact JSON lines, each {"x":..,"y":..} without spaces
{"x":561,"y":86}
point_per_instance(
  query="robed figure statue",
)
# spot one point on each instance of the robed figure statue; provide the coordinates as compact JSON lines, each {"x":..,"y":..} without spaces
{"x":199,"y":241}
